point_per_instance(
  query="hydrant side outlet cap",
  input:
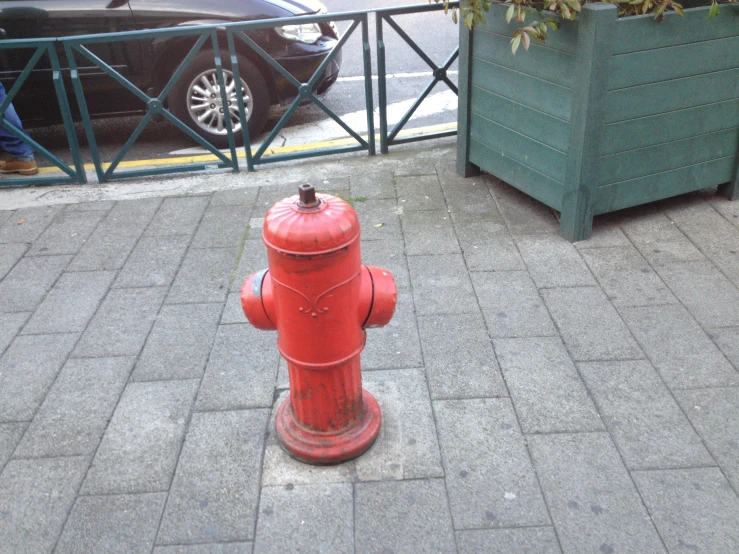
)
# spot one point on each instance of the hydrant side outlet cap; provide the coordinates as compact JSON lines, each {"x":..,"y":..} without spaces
{"x":293,"y":227}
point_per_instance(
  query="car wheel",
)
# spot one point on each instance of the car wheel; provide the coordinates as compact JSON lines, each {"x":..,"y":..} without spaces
{"x":196,"y":99}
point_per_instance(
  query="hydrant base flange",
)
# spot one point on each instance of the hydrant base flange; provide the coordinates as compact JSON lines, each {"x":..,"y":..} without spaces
{"x":328,"y":448}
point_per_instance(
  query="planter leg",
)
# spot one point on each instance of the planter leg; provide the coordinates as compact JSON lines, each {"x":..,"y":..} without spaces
{"x":465,"y":168}
{"x":576,"y":219}
{"x":730,"y":190}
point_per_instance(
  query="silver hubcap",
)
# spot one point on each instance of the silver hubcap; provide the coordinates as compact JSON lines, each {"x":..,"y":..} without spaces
{"x":206,"y":107}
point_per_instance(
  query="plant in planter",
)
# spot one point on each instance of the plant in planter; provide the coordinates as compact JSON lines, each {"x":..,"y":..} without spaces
{"x":605,"y":113}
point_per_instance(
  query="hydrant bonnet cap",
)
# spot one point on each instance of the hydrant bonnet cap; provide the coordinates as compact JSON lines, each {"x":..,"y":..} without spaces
{"x":310,"y":224}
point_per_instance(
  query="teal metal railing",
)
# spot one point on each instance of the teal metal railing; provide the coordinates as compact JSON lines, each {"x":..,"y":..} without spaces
{"x":43,"y":47}
{"x":234,"y":35}
{"x":385,"y":17}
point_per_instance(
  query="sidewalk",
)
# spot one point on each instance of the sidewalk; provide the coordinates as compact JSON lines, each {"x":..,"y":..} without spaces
{"x":537,"y":396}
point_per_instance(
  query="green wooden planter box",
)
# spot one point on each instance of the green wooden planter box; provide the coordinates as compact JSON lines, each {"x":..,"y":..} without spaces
{"x":609,"y":113}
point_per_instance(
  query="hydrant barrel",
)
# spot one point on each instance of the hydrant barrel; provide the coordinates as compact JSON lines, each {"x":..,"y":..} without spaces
{"x":320,"y":298}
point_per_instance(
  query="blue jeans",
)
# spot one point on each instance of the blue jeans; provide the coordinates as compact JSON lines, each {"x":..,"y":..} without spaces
{"x":13,"y":145}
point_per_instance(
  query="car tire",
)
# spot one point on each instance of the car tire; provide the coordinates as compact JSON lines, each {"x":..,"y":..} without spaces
{"x":189,"y":104}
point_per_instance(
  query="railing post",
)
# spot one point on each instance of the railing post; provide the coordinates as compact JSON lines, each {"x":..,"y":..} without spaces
{"x":367,"y":53}
{"x":240,"y":100}
{"x":464,"y":167}
{"x":224,"y":99}
{"x":594,"y":43}
{"x":381,"y":83}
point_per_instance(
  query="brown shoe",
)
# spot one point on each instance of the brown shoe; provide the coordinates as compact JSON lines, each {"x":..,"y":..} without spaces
{"x":11,"y":165}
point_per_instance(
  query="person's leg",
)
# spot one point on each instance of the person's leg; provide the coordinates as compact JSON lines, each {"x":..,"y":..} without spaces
{"x":13,"y":145}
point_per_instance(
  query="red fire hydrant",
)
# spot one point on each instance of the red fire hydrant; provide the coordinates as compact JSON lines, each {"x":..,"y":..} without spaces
{"x":320,"y":298}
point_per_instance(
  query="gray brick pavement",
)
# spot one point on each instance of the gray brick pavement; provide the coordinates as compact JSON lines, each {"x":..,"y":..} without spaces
{"x":537,"y":396}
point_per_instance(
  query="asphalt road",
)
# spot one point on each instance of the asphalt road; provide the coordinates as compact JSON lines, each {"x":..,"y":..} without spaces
{"x":434,"y":32}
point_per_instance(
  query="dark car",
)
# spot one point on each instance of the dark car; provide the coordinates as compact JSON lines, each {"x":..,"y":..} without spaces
{"x":149,"y":64}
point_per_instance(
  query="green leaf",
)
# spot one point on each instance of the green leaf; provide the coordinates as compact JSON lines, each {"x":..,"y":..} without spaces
{"x":515,"y":43}
{"x":714,"y":11}
{"x":510,"y":13}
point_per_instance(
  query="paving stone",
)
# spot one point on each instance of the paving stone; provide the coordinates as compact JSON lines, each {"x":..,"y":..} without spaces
{"x":204,"y":276}
{"x":71,"y":303}
{"x":522,"y":214}
{"x":10,"y":435}
{"x":5,"y":215}
{"x":709,"y":296}
{"x":269,"y":195}
{"x":153,"y":263}
{"x":402,"y":516}
{"x":530,"y":540}
{"x":646,"y":424}
{"x":139,"y":449}
{"x":241,"y":370}
{"x":396,"y":345}
{"x":233,"y":312}
{"x":10,"y":324}
{"x":29,"y":281}
{"x":627,"y":278}
{"x":407,"y":447}
{"x":253,"y":258}
{"x":210,"y":548}
{"x":122,"y":323}
{"x":659,"y":240}
{"x":716,"y":237}
{"x":178,"y":216}
{"x":727,"y":340}
{"x":553,"y":262}
{"x":378,"y":219}
{"x":77,"y":409}
{"x":9,"y":256}
{"x":695,"y":510}
{"x":26,"y":224}
{"x":511,"y":305}
{"x":388,"y":254}
{"x":592,"y":500}
{"x":222,"y":226}
{"x":429,"y":233}
{"x":179,"y":343}
{"x":236,"y":197}
{"x":421,"y":192}
{"x":107,"y":248}
{"x":680,"y":350}
{"x":256,"y":227}
{"x":92,"y":206}
{"x":489,"y":476}
{"x":215,"y":491}
{"x":441,"y":285}
{"x":453,"y":372}
{"x":488,"y":246}
{"x":66,"y":234}
{"x":373,"y":184}
{"x":606,"y":234}
{"x":123,"y":523}
{"x":546,"y":389}
{"x":306,"y":518}
{"x":35,"y":498}
{"x":713,"y":413}
{"x":589,"y":325}
{"x":469,"y":200}
{"x":27,"y":370}
{"x":134,"y":213}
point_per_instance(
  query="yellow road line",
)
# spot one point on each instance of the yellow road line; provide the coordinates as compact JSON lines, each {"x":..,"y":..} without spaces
{"x":206,"y":158}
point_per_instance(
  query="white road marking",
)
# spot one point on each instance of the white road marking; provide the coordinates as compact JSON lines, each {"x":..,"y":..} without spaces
{"x":327,"y":129}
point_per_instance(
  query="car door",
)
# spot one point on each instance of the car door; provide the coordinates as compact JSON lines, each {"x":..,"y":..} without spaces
{"x":59,"y":18}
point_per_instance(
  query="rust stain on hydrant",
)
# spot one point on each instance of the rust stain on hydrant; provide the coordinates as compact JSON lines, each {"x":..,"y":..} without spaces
{"x":320,"y":299}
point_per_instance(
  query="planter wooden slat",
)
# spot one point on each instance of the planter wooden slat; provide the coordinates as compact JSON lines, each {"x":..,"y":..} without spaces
{"x":530,"y":91}
{"x":652,"y":112}
{"x":676,"y":94}
{"x":530,"y":181}
{"x":664,"y":157}
{"x":496,"y":48}
{"x":673,"y":62}
{"x":523,"y":149}
{"x":663,"y":185}
{"x":634,"y":34}
{"x":676,"y":125}
{"x":547,"y":129}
